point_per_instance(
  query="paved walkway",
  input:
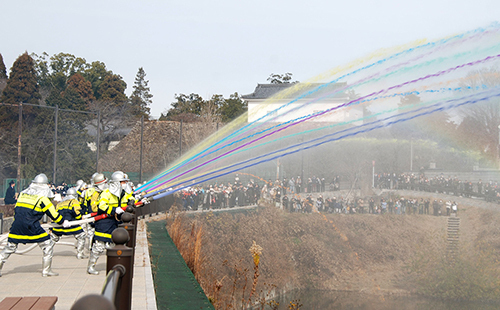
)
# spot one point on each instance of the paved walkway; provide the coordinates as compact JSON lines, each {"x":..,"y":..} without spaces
{"x":21,"y":275}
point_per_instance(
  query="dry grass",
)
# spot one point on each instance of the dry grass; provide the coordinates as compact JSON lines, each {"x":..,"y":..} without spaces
{"x":362,"y":252}
{"x":188,"y":243}
{"x":7,"y":210}
{"x":230,"y":290}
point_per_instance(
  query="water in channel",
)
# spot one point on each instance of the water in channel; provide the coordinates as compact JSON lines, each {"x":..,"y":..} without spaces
{"x":334,"y":300}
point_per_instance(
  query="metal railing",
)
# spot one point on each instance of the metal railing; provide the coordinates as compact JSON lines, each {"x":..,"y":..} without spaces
{"x":156,"y":206}
{"x":117,"y":290}
{"x":109,"y":291}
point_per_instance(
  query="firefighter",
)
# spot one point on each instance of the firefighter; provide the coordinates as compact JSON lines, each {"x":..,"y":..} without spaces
{"x":111,"y":202}
{"x":70,"y":208}
{"x":80,"y":188}
{"x":32,"y":204}
{"x":91,"y":200}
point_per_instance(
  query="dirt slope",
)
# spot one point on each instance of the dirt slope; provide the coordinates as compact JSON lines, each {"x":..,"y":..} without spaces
{"x":360,"y":252}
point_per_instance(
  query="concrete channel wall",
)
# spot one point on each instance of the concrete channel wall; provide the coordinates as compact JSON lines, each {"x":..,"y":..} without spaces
{"x":5,"y":223}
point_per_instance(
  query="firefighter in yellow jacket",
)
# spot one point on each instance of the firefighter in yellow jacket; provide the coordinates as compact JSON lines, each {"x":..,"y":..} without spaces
{"x":70,"y":208}
{"x":111,"y":202}
{"x":32,"y":204}
{"x":91,"y":202}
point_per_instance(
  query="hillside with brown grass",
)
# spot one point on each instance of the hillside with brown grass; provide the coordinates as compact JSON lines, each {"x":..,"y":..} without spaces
{"x":160,"y":145}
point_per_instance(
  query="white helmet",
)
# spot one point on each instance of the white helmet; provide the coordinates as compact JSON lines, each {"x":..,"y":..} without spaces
{"x":41,"y":179}
{"x":119,"y":176}
{"x":99,"y":178}
{"x":100,"y":181}
{"x":114,"y":185}
{"x":80,"y":184}
{"x":39,"y":186}
{"x":92,"y":178}
{"x":70,"y":194}
{"x":71,"y":191}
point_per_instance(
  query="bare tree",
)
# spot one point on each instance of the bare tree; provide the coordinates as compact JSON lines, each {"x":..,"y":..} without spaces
{"x":479,"y":128}
{"x":115,"y":121}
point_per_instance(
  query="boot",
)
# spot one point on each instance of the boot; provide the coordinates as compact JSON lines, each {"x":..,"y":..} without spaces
{"x":80,"y":246}
{"x":92,"y":262}
{"x":81,"y":255}
{"x":47,"y":247}
{"x":90,"y":238}
{"x":46,"y":270}
{"x":7,"y":250}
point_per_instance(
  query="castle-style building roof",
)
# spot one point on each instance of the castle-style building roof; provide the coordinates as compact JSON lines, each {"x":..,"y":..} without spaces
{"x":305,"y":90}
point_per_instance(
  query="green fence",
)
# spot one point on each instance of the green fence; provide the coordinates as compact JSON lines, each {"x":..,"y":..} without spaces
{"x":5,"y":185}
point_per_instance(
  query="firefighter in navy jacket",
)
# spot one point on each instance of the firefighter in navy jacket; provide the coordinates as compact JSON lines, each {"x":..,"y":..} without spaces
{"x":70,"y":208}
{"x":111,"y":202}
{"x":31,"y":205}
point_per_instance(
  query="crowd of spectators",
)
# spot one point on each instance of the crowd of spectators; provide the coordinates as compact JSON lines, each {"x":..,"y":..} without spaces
{"x":285,"y":195}
{"x":238,"y":194}
{"x":370,"y":205}
{"x":490,"y":191}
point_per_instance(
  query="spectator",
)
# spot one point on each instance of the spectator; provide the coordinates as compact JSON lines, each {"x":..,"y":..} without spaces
{"x":10,"y":194}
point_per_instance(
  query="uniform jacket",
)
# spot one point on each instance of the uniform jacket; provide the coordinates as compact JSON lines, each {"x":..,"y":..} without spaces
{"x":70,"y":210}
{"x":28,"y":212}
{"x":90,"y":201}
{"x":107,"y":205}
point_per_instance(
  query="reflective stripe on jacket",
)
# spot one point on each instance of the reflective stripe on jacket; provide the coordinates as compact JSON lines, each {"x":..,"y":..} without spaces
{"x":107,"y":205}
{"x":70,"y":210}
{"x":28,"y":212}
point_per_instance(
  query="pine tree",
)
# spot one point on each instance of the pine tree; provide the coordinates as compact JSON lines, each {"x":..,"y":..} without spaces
{"x":3,"y":70}
{"x":22,"y":86}
{"x":141,"y":97}
{"x":83,"y":87}
{"x":3,"y":75}
{"x":112,"y":89}
{"x":232,"y":108}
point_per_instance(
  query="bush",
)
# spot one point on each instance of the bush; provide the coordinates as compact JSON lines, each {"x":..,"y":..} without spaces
{"x":7,"y":210}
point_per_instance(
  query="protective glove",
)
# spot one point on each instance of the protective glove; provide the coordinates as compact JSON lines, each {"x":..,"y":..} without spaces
{"x":119,"y":211}
{"x":145,"y":201}
{"x":66,"y":224}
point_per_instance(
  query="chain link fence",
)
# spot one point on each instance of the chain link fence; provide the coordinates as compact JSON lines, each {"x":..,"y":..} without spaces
{"x":64,"y":144}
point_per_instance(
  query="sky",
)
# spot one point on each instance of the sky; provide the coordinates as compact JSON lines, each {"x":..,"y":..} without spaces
{"x":226,"y":46}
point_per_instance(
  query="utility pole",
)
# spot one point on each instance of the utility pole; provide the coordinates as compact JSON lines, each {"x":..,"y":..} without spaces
{"x":411,"y":154}
{"x":19,"y":132}
{"x":56,"y":116}
{"x":373,"y":174}
{"x":97,"y":140}
{"x":20,"y":129}
{"x":278,"y":169}
{"x":302,"y":167}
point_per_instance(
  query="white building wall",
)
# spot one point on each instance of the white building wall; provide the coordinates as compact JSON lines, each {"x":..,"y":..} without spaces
{"x":261,"y":111}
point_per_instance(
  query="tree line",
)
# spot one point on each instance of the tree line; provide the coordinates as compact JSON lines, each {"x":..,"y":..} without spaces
{"x":72,"y":84}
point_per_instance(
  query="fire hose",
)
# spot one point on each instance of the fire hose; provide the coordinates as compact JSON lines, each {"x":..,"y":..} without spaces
{"x":93,"y":217}
{"x":89,"y":218}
